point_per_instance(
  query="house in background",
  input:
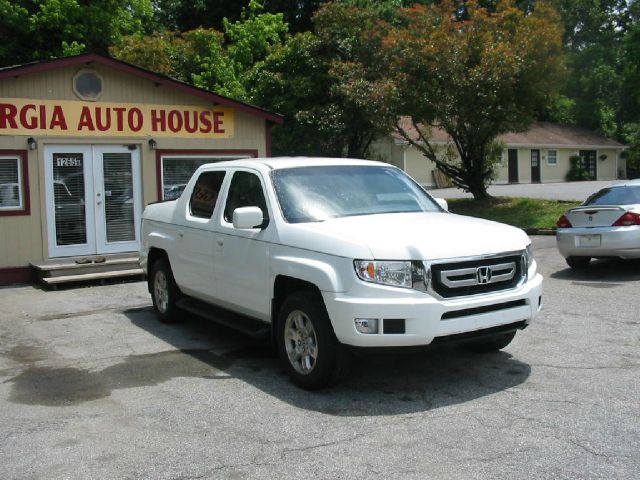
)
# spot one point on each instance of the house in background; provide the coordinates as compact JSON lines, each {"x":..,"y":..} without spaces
{"x":539,"y":155}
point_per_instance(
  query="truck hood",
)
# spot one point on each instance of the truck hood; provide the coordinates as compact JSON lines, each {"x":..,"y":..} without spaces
{"x":423,"y":236}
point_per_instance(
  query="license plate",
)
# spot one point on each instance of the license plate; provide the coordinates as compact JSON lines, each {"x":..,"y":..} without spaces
{"x":588,"y":240}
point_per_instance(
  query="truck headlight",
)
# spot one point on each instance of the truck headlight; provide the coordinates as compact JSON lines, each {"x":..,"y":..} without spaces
{"x":529,"y":255}
{"x":392,"y":273}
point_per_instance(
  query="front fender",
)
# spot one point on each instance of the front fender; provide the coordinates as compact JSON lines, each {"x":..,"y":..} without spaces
{"x":329,"y":274}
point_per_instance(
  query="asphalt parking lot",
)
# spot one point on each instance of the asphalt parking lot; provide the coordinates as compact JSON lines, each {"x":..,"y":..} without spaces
{"x":92,"y":386}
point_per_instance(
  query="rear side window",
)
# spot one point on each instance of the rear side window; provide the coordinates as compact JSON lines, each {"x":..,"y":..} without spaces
{"x":627,"y":195}
{"x":205,"y":194}
{"x":245,"y":191}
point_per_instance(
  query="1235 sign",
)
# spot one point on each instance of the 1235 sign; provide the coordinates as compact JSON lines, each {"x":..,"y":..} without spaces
{"x":68,"y":161}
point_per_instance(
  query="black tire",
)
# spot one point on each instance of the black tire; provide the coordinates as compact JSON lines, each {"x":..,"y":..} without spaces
{"x":491,"y":344}
{"x":328,"y":365}
{"x":164,"y":291}
{"x":578,"y":263}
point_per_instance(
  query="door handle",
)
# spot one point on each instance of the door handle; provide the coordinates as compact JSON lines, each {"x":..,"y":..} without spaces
{"x":220,"y":243}
{"x":181,"y":234}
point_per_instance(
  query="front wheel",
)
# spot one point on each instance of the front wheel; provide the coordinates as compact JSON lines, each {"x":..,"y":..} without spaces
{"x":578,"y":263}
{"x":164,"y":291}
{"x":308,"y":348}
{"x":492,"y":344}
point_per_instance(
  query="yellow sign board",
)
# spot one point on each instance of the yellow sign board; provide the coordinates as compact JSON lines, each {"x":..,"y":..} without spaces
{"x":20,"y":116}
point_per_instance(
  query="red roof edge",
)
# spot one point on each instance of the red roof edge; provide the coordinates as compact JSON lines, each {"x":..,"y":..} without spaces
{"x":86,"y":58}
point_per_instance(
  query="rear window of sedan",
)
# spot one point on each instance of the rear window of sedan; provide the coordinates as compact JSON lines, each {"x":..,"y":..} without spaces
{"x":627,"y":195}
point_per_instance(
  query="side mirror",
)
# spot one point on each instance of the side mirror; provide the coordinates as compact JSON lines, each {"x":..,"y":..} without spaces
{"x":443,"y":203}
{"x":247,"y":217}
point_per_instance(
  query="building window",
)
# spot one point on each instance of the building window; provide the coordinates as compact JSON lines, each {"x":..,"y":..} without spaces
{"x":13,"y":194}
{"x":177,"y":170}
{"x":87,"y":85}
{"x":552,"y":157}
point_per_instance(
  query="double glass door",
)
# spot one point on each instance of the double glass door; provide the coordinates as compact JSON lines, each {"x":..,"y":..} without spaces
{"x":93,"y":199}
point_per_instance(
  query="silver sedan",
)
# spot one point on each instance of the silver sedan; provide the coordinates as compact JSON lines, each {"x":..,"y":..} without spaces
{"x":607,"y":224}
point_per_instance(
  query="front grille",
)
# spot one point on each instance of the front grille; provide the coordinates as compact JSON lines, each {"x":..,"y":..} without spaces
{"x":473,"y":277}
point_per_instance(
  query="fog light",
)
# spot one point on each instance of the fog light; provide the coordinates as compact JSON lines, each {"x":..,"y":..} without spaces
{"x":367,"y":325}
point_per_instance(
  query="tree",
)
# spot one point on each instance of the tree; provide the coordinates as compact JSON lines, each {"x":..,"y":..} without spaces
{"x":476,"y":78}
{"x":217,"y":61}
{"x":180,"y":55}
{"x":52,"y":28}
{"x":594,"y":33}
{"x":184,"y":15}
{"x":308,"y":80}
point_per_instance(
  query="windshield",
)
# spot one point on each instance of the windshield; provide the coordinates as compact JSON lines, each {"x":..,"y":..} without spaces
{"x":615,"y":196}
{"x":314,"y":194}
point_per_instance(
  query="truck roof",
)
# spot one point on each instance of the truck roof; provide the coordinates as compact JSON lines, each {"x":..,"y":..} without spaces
{"x":274,"y":163}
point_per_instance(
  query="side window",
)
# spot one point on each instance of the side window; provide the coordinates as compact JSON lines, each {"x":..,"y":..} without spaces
{"x":205,"y":194}
{"x":245,"y":191}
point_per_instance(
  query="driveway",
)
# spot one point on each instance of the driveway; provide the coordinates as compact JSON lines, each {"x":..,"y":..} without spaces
{"x":93,"y":386}
{"x":549,"y":191}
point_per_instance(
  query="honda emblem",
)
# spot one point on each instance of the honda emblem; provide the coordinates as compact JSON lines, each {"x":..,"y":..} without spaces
{"x":483,"y":275}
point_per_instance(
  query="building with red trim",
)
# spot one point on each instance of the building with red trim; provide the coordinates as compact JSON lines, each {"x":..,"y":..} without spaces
{"x":87,"y":141}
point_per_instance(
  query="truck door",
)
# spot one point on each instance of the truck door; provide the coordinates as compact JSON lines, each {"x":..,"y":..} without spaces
{"x":196,"y":246}
{"x":242,"y":257}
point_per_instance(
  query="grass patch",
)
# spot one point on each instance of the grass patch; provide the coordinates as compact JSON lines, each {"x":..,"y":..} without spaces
{"x":519,"y":212}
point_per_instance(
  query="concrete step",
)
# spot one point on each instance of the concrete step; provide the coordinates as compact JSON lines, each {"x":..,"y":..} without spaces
{"x":86,"y":264}
{"x":86,"y":277}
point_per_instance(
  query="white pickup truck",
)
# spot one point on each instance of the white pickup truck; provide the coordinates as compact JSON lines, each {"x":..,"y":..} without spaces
{"x":327,"y":254}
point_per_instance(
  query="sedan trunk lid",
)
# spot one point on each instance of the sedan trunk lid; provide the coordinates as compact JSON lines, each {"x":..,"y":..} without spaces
{"x":595,"y":216}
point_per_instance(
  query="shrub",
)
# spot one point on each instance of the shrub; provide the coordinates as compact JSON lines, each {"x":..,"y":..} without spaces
{"x":576,"y":173}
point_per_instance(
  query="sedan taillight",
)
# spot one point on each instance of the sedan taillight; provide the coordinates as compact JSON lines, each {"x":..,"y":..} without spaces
{"x":563,"y":222}
{"x":627,"y":220}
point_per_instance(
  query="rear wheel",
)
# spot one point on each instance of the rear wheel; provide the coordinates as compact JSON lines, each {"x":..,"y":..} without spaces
{"x":578,"y":263}
{"x":492,"y":344}
{"x":308,"y":348}
{"x":164,"y":291}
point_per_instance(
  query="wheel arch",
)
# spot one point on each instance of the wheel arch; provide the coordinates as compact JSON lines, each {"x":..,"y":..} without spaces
{"x":283,"y":286}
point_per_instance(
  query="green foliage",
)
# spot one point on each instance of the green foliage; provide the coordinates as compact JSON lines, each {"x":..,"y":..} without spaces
{"x":630,"y":93}
{"x":216,"y":61}
{"x":329,"y":110}
{"x":249,"y":40}
{"x":632,"y":154}
{"x":519,"y":212}
{"x":595,"y":32}
{"x":576,"y":171}
{"x":561,"y":109}
{"x":52,"y":28}
{"x":185,"y":15}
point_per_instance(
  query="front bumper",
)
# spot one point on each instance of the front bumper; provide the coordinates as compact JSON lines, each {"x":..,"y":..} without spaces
{"x":614,"y":242}
{"x":426,"y":317}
